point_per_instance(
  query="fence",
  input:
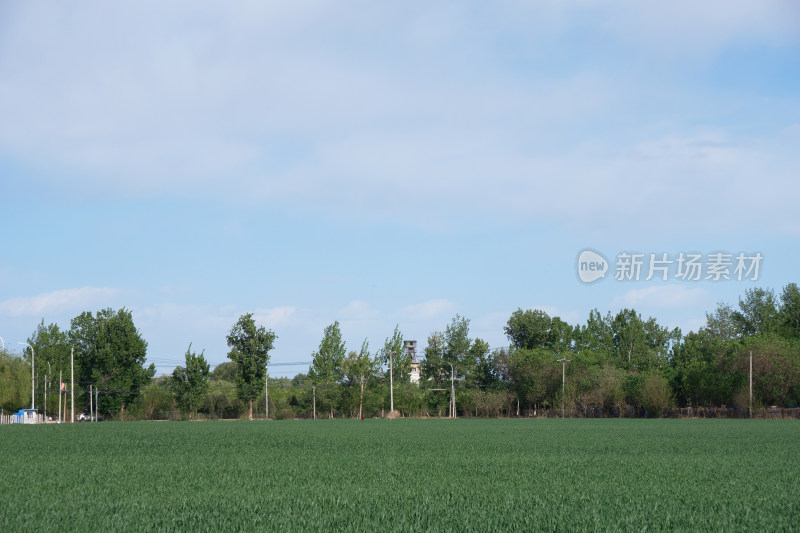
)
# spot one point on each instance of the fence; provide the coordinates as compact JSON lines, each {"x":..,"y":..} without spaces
{"x":734,"y":412}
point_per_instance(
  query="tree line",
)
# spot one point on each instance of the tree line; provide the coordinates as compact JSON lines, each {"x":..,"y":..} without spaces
{"x":612,"y":365}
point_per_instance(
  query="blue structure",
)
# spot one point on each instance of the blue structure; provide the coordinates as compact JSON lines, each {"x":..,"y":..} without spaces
{"x":24,"y":416}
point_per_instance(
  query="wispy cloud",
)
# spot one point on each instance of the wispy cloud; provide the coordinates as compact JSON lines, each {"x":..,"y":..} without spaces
{"x":290,"y":110}
{"x":357,"y":310}
{"x":427,"y":310}
{"x":705,"y":28}
{"x":60,"y":301}
{"x":274,"y":317}
{"x":662,"y":296}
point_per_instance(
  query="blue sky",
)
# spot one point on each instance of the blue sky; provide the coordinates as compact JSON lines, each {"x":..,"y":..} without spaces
{"x":383,"y":164}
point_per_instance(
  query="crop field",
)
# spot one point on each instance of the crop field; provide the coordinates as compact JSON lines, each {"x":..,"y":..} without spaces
{"x":378,"y":475}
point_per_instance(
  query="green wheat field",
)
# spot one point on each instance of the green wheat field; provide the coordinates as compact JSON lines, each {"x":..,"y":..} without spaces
{"x":420,"y":475}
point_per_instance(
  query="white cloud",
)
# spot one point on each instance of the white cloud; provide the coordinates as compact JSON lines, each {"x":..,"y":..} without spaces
{"x":702,"y":28}
{"x":491,"y":321}
{"x":275,"y":317}
{"x":427,"y":310}
{"x":357,"y":310}
{"x":287,"y":105}
{"x":203,"y":318}
{"x":662,"y":296}
{"x":60,"y":301}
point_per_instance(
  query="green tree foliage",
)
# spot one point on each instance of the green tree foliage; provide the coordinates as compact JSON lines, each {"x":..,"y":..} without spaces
{"x":638,"y":344}
{"x":189,"y":383}
{"x":15,"y":382}
{"x":721,"y":323}
{"x":409,"y":399}
{"x":472,"y":364}
{"x":52,"y":355}
{"x":326,"y":367}
{"x":533,"y":328}
{"x":596,"y":335}
{"x":457,"y":345}
{"x":52,"y":346}
{"x":711,"y":366}
{"x":300,"y":379}
{"x":400,"y":359}
{"x":626,"y":340}
{"x":433,"y":366}
{"x":606,"y":355}
{"x":537,"y":341}
{"x":485,"y":374}
{"x":598,"y":387}
{"x":449,"y":348}
{"x":619,"y":364}
{"x":790,"y":312}
{"x":360,"y":366}
{"x":758,"y":313}
{"x":534,"y":375}
{"x":656,"y":394}
{"x":776,"y":369}
{"x":250,"y":347}
{"x":358,"y":370}
{"x":222,"y":401}
{"x":225,"y":372}
{"x":703,"y":367}
{"x":155,"y":401}
{"x":110,"y":354}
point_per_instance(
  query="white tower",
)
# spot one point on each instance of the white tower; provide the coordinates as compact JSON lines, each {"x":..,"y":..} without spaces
{"x":411,"y":349}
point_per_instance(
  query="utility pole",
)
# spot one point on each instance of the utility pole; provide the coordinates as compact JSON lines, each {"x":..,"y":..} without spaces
{"x":452,"y":391}
{"x":72,"y":383}
{"x":45,"y":393}
{"x":563,"y":362}
{"x":59,"y":396}
{"x":361,"y":400}
{"x":314,"y":391}
{"x":266,"y":393}
{"x":33,"y":359}
{"x":750,"y":407}
{"x":50,"y":374}
{"x":391,"y":387}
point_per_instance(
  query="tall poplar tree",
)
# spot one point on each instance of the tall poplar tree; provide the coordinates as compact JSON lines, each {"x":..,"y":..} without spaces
{"x":250,"y":346}
{"x":326,"y":366}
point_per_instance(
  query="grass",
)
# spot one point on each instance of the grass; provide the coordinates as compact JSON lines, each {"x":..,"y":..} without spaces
{"x":377,"y":475}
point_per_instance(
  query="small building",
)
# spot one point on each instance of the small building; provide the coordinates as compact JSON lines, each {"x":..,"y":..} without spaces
{"x":24,"y":416}
{"x":411,"y":349}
